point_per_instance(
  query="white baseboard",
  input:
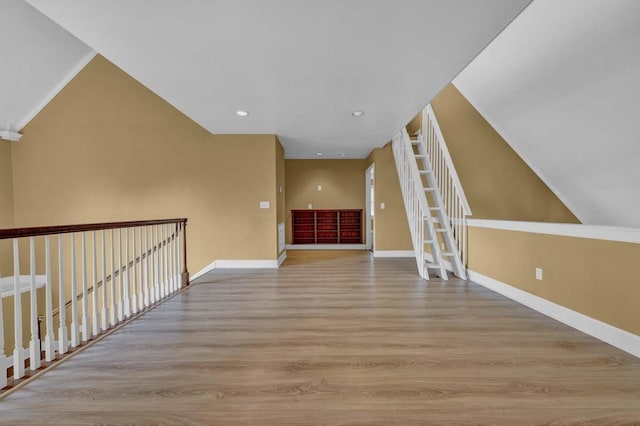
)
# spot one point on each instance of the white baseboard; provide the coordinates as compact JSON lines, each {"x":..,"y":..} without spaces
{"x":240,"y":264}
{"x":282,"y":258}
{"x":614,"y":336}
{"x":326,"y":246}
{"x":201,"y":272}
{"x":393,"y":253}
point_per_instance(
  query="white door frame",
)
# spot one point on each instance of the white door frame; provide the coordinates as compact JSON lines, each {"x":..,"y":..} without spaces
{"x":367,"y":197}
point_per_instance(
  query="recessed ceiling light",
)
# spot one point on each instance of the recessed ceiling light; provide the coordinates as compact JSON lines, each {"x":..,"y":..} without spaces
{"x":357,"y":113}
{"x":319,"y":154}
{"x":242,"y":113}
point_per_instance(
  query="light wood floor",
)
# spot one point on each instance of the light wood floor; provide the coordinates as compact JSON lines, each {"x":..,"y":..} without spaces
{"x":337,"y":339}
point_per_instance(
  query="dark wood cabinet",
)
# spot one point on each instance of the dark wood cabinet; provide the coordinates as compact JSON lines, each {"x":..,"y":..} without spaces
{"x":326,"y":226}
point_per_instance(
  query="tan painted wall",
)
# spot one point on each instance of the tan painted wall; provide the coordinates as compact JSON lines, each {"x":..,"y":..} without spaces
{"x":107,"y":149}
{"x":281,"y":211}
{"x":6,"y":205}
{"x":343,"y":184}
{"x":593,"y":277}
{"x":391,"y":227}
{"x":497,"y":182}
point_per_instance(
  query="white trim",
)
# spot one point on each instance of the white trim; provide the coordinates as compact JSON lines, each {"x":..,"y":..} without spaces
{"x":10,"y":135}
{"x":614,"y":336}
{"x":282,"y":258}
{"x":246,"y":264}
{"x":61,"y":84}
{"x":201,"y":272}
{"x":393,"y":253}
{"x":326,"y":246}
{"x":535,"y":170}
{"x":239,"y":264}
{"x":609,"y":233}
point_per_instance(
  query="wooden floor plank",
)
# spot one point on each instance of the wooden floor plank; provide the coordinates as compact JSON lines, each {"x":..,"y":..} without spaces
{"x":336,"y":338}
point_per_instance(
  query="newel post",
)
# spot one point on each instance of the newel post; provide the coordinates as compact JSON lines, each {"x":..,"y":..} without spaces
{"x":185,"y":271}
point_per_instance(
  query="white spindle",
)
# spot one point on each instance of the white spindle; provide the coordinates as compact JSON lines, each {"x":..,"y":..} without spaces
{"x":134,"y":294}
{"x":120,"y":278}
{"x":140,"y":270}
{"x":103,"y":290}
{"x":127,"y":284}
{"x":147,"y":281}
{"x":180,"y":254}
{"x":170,"y":259}
{"x":49,"y":337}
{"x":160,"y":264}
{"x":84,"y":326}
{"x":95,"y":329}
{"x":75,"y":330}
{"x":63,"y":338}
{"x":34,"y":344}
{"x":176,"y":256}
{"x":112,"y":305}
{"x":18,"y":352}
{"x":154,"y":259}
{"x":166,"y":259}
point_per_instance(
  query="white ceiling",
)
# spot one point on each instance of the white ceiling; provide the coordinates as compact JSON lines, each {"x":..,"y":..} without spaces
{"x":299,"y":67}
{"x":562,"y":86}
{"x":36,"y":57}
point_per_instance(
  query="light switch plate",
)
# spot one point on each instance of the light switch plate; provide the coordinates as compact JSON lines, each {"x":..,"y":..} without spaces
{"x":538,"y":273}
{"x":381,"y":206}
{"x":264,"y":204}
{"x":309,"y":206}
{"x":319,"y":188}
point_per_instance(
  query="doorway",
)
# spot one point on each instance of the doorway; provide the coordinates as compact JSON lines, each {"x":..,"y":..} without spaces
{"x":369,"y":177}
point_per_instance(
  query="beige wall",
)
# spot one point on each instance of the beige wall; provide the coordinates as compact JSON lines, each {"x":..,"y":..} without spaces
{"x":281,"y":212}
{"x":497,"y":182}
{"x":108,"y":149}
{"x":593,"y":277}
{"x":343,"y":186}
{"x":6,"y":205}
{"x":390,"y":224}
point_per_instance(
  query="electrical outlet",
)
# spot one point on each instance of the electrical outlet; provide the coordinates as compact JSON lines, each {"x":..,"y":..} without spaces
{"x":382,"y":206}
{"x":319,"y":188}
{"x":309,"y":206}
{"x":539,"y":274}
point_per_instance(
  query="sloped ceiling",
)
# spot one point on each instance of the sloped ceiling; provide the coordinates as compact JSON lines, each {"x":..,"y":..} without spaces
{"x":37,"y":58}
{"x":299,"y":67}
{"x":562,"y":86}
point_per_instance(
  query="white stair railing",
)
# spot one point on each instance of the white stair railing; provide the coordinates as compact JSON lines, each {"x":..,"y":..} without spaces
{"x":416,"y":205}
{"x":453,"y":197}
{"x":98,"y":298}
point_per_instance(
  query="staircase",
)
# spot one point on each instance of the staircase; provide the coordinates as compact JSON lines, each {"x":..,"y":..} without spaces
{"x":434,"y":201}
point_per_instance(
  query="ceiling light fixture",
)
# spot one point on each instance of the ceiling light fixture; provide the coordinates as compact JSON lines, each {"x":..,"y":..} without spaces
{"x":242,"y":113}
{"x":357,"y":113}
{"x":319,"y":154}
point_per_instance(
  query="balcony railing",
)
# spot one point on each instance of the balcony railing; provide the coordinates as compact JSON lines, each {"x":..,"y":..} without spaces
{"x":86,"y":279}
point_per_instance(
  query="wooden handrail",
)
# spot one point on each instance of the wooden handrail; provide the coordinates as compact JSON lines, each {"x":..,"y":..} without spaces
{"x":67,"y":229}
